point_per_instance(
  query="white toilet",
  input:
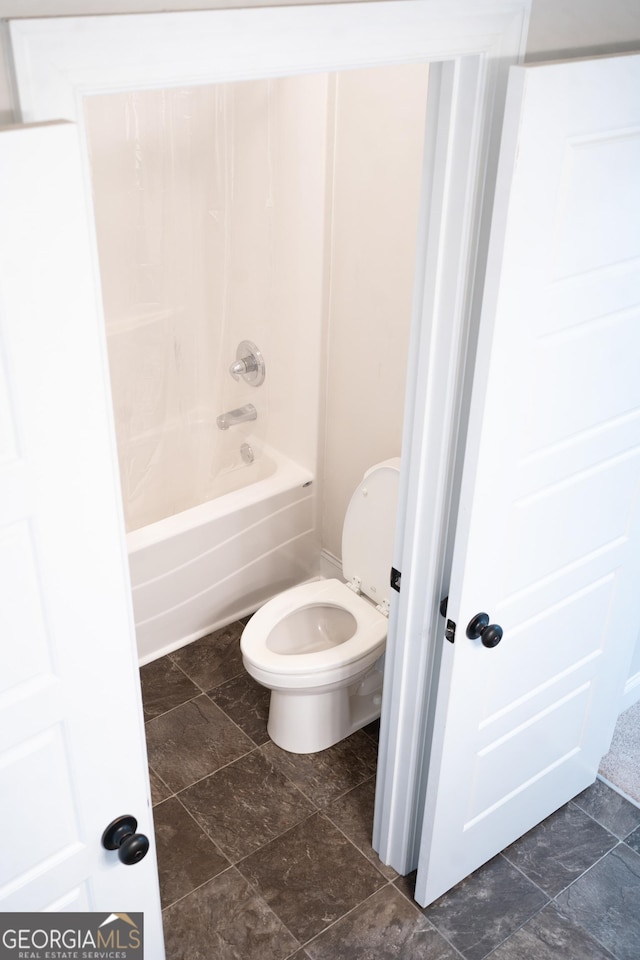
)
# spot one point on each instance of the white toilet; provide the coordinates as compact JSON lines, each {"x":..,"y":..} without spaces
{"x":318,"y":646}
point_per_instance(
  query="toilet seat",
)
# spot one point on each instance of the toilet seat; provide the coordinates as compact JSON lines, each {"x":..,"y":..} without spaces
{"x":297,"y":669}
{"x":318,"y":647}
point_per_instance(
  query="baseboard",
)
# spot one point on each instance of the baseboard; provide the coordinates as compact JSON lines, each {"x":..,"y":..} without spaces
{"x":619,"y":790}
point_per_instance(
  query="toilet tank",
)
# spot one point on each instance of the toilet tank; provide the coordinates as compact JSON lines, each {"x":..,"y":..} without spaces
{"x":369,"y":530}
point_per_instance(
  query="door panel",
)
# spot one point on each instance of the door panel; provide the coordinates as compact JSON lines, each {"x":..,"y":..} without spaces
{"x":72,"y":752}
{"x":548,"y":541}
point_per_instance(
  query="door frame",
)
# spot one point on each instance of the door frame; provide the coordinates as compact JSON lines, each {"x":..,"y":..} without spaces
{"x":470,"y":44}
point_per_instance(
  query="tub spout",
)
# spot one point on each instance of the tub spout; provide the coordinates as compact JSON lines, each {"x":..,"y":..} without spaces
{"x":239,"y":415}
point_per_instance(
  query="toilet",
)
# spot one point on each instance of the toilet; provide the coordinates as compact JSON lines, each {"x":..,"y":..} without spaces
{"x":318,"y":646}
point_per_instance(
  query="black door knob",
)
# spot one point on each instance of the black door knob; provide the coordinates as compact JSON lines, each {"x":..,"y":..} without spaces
{"x":121,"y":835}
{"x":489,"y":633}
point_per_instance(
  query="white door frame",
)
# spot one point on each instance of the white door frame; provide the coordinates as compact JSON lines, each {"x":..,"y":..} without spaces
{"x":56,"y":62}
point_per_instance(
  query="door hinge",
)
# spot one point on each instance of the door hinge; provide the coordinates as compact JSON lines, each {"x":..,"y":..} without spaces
{"x":395,"y":579}
{"x":450,"y":629}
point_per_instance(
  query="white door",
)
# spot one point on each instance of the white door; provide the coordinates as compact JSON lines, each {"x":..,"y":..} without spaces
{"x":548,"y":542}
{"x":72,"y":752}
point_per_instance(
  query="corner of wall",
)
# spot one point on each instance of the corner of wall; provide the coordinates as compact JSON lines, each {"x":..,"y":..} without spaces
{"x":7,"y":113}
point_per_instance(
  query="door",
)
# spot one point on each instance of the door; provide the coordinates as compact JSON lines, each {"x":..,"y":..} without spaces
{"x":72,"y":752}
{"x":548,"y":540}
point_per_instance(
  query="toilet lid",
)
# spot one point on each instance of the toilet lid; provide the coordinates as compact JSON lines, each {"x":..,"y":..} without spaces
{"x":369,"y":530}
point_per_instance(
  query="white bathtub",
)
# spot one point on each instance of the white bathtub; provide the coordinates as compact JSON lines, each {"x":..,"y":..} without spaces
{"x":207,"y":566}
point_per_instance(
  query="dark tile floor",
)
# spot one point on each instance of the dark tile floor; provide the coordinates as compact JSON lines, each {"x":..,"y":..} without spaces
{"x":264,"y":855}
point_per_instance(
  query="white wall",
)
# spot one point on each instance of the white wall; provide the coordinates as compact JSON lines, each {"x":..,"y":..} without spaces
{"x":379,"y":138}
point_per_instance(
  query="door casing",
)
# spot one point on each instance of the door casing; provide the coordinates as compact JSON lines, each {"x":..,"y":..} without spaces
{"x":470,"y":45}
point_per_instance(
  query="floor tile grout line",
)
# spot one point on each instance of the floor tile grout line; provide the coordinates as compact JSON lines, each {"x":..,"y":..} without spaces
{"x":544,"y":906}
{"x":443,"y":935}
{"x":318,"y":806}
{"x":604,"y":825}
{"x":388,"y":883}
{"x":590,"y":933}
{"x":156,"y":774}
{"x":352,"y":841}
{"x":174,"y":707}
{"x":231,"y":720}
{"x":486,"y":956}
{"x":180,"y":668}
{"x":348,"y":913}
{"x":551,"y":899}
{"x":198,"y":887}
{"x":217,"y":770}
{"x":617,"y":844}
{"x":200,"y":827}
{"x":616,"y":840}
{"x":317,"y":810}
{"x":422,"y":912}
{"x":256,"y":893}
{"x":201,"y":692}
{"x":356,"y":847}
{"x":525,"y":875}
{"x":171,"y":655}
{"x":254,"y":746}
{"x":338,"y":796}
{"x":234,"y":863}
{"x":589,"y":814}
{"x":279,"y":836}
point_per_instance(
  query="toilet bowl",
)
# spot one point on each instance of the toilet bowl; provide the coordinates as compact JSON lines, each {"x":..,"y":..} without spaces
{"x":318,"y":646}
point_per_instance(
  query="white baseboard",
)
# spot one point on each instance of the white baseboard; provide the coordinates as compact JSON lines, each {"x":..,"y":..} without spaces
{"x":619,"y":790}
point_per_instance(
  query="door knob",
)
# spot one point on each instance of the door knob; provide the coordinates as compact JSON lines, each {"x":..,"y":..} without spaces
{"x":489,"y":633}
{"x":121,"y":835}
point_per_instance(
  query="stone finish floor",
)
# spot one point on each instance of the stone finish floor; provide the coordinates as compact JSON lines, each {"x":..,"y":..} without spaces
{"x":264,"y":855}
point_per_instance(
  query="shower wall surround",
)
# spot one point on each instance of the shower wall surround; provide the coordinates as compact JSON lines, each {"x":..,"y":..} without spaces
{"x":281,"y":211}
{"x":209,"y":207}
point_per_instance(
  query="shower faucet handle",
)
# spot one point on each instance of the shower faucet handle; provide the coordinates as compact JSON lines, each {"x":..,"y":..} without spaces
{"x":240,"y":367}
{"x":249,"y":364}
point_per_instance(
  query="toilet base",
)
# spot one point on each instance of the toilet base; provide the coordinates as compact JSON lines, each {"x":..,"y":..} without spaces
{"x":302,"y":722}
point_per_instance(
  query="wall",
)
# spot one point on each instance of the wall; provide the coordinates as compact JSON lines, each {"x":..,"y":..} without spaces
{"x":210,"y":216}
{"x":379,"y":133}
{"x":560,"y":29}
{"x":210,"y":207}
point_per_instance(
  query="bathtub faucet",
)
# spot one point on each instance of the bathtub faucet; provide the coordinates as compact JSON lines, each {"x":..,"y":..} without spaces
{"x":239,"y":415}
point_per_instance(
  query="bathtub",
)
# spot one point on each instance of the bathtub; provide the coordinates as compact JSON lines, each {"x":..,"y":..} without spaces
{"x":201,"y":569}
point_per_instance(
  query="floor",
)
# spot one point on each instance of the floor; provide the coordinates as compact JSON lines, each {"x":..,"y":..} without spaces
{"x":621,"y":765}
{"x":264,"y":855}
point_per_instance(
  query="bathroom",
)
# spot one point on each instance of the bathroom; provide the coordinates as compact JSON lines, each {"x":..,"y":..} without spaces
{"x":215,"y":409}
{"x":281,"y":212}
